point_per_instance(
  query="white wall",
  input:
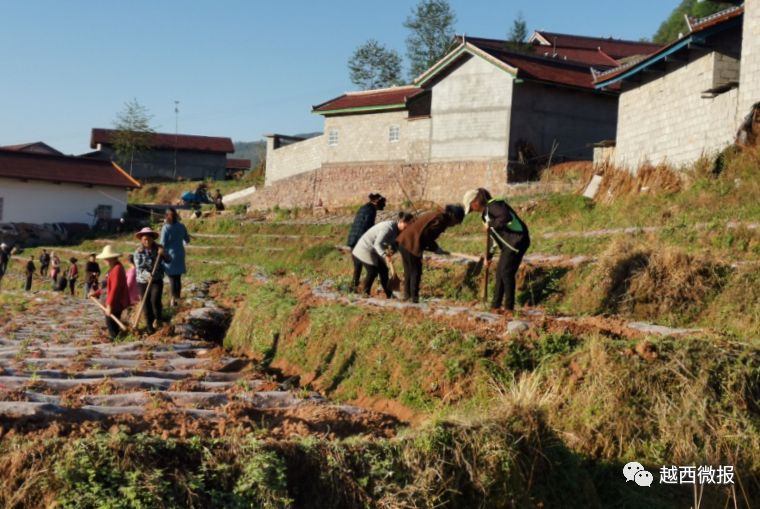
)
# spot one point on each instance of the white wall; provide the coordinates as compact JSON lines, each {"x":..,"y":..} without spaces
{"x":295,"y":158}
{"x":44,"y":202}
{"x":667,"y":121}
{"x":471,"y":113}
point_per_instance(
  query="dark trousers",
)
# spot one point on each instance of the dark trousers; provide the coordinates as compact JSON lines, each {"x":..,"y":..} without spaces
{"x":412,"y":274}
{"x":113,"y":329}
{"x":28,"y":285}
{"x":72,"y":285}
{"x":358,"y":265}
{"x":153,"y":308}
{"x":176,"y":285}
{"x":43,"y":270}
{"x":381,"y":269}
{"x":506,"y":275}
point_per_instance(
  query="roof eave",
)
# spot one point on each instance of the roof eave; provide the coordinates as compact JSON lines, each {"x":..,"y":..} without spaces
{"x":362,"y":109}
{"x":465,"y":47}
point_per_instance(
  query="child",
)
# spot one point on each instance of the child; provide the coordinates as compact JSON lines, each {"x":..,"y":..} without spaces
{"x":30,"y":270}
{"x":72,"y":275}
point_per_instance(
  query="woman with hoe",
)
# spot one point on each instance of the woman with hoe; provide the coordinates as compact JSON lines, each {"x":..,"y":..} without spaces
{"x":117,"y":299}
{"x":150,"y":276}
{"x":174,"y":236}
{"x":506,"y":230}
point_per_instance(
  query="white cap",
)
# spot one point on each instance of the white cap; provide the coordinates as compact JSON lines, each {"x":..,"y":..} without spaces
{"x":469,"y":196}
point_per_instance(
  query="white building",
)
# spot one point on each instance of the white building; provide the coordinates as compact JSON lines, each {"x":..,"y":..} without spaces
{"x":45,"y":188}
{"x":687,"y":100}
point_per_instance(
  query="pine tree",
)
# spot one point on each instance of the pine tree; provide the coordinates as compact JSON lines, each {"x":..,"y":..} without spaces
{"x":431,"y":27}
{"x":374,"y":66}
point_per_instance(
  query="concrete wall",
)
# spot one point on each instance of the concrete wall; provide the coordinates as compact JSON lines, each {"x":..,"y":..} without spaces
{"x":346,"y":185}
{"x":299,"y":157}
{"x":750,"y":68}
{"x":471,"y":113}
{"x":159,"y":164}
{"x":542,"y":114}
{"x":44,"y":202}
{"x":668,"y":121}
{"x":364,"y":138}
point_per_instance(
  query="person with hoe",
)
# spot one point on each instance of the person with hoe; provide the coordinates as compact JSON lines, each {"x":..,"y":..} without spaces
{"x":148,"y":260}
{"x":117,"y":298}
{"x":504,"y":229}
{"x":363,"y":221}
{"x":91,"y":274}
{"x":173,"y":238}
{"x":421,"y":236}
{"x":375,"y":249}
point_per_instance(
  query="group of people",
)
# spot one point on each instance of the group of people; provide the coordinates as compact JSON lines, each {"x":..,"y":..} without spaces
{"x":158,"y":254}
{"x":373,"y":245}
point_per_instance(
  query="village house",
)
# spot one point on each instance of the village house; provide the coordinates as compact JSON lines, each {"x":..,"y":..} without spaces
{"x":36,"y":147}
{"x":171,"y":156}
{"x":236,"y":167}
{"x":687,"y":100}
{"x":483,"y":115}
{"x":48,"y":188}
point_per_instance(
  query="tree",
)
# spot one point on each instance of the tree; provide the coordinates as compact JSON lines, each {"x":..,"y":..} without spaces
{"x":517,"y":38}
{"x":374,"y":66}
{"x":431,"y":26}
{"x":133,"y":133}
{"x":676,"y":23}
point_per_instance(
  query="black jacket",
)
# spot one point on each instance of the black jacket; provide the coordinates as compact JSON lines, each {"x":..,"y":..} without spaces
{"x":505,"y":227}
{"x":364,"y":220}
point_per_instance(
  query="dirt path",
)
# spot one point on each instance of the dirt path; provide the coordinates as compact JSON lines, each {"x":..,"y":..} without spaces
{"x":56,"y":366}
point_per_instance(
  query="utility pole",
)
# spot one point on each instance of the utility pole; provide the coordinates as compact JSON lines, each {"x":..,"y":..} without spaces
{"x":176,"y":134}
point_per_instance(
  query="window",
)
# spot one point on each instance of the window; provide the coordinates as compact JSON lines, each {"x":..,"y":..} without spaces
{"x":103,"y":212}
{"x":332,"y":138}
{"x":394,"y":134}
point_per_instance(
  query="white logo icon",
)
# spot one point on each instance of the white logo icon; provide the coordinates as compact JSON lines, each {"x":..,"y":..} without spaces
{"x":634,"y":471}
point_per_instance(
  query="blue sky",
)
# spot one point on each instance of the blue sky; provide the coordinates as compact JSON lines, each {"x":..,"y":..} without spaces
{"x":238,"y":68}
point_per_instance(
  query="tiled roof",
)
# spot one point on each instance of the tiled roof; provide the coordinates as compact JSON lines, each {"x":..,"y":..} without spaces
{"x":35,"y":146}
{"x":592,"y":57}
{"x":69,"y":169}
{"x":171,"y":141}
{"x":238,"y":164}
{"x":615,"y":48}
{"x":539,"y":68}
{"x":370,"y":99}
{"x":697,"y":27}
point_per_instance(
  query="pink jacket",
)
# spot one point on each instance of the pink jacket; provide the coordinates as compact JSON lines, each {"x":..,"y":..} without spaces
{"x":134,"y":294}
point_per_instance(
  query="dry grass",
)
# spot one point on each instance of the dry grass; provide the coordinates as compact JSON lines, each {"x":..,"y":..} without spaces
{"x":637,"y":280}
{"x":618,"y":183}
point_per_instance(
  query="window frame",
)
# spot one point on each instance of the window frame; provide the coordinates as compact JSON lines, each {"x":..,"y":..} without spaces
{"x":394,"y":129}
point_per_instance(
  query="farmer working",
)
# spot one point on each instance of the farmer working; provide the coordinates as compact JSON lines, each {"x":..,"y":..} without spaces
{"x":173,"y":238}
{"x":363,"y":221}
{"x":150,"y":275}
{"x":421,"y":236}
{"x":507,"y":231}
{"x":375,"y":248}
{"x":117,"y":298}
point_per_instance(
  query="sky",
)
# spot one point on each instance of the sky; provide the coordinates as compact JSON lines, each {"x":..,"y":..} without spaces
{"x":238,"y":68}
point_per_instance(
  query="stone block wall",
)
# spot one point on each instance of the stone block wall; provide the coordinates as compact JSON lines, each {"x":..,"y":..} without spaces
{"x":668,"y":121}
{"x":294,"y":158}
{"x":750,"y":66}
{"x":364,"y":138}
{"x":347,"y":185}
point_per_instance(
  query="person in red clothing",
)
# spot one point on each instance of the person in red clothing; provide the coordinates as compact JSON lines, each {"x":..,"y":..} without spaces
{"x":117,"y":295}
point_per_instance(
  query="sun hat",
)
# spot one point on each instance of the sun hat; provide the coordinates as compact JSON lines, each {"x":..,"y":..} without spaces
{"x":469,"y":196}
{"x":146,"y":231}
{"x":107,"y":253}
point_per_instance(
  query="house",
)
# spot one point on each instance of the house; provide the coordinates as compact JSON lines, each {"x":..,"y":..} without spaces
{"x":50,"y":188}
{"x":36,"y":147}
{"x":687,"y":100}
{"x":486,"y":114}
{"x":171,"y":156}
{"x":236,"y":167}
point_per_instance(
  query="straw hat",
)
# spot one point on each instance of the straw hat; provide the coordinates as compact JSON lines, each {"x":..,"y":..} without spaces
{"x":107,"y":253}
{"x":146,"y":231}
